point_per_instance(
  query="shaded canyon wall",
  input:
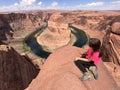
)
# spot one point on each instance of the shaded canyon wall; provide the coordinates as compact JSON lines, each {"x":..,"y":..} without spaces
{"x":16,"y":24}
{"x":16,"y":71}
{"x":111,"y":44}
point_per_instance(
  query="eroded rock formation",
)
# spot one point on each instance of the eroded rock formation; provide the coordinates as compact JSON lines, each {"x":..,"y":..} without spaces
{"x":14,"y":25}
{"x":16,"y":71}
{"x":111,"y":50}
{"x":111,"y":44}
{"x":17,"y":24}
{"x":58,"y":34}
{"x":60,"y":73}
{"x":55,"y":36}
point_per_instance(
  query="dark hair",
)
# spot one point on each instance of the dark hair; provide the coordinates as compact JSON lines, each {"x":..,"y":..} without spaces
{"x":95,"y":44}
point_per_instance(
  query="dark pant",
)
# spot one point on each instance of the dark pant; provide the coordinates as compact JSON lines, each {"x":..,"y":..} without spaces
{"x":82,"y":65}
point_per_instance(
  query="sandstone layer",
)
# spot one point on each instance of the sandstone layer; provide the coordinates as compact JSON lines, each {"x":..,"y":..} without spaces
{"x":111,"y":50}
{"x":16,"y":71}
{"x":60,"y":73}
{"x":58,"y":34}
{"x":17,"y":25}
{"x":111,"y":44}
{"x":94,"y":23}
{"x":55,"y":36}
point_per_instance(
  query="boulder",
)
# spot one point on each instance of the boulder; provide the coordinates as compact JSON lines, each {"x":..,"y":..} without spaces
{"x":116,"y":28}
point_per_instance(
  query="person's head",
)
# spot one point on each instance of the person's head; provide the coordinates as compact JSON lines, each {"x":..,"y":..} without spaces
{"x":95,"y":44}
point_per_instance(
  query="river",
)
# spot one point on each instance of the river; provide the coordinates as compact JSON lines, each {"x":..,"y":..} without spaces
{"x":38,"y":50}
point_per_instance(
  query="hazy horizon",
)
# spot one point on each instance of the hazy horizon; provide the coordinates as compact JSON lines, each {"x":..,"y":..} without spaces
{"x":20,"y":5}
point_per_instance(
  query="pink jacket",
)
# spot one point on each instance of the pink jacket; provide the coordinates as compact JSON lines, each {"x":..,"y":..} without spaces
{"x":94,"y":57}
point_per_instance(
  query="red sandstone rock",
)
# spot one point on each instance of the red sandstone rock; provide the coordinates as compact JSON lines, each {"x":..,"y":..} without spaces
{"x":19,"y":24}
{"x":114,"y":71}
{"x":16,"y":71}
{"x":111,"y":48}
{"x":55,"y":36}
{"x":90,"y":21}
{"x":60,"y":73}
{"x":116,"y":28}
{"x":111,"y":45}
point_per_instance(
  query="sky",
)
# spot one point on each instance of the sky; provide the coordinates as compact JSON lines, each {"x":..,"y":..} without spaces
{"x":17,"y":5}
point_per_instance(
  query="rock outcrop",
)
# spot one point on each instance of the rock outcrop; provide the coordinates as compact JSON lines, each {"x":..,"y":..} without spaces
{"x":60,"y":73}
{"x":16,"y":71}
{"x":56,"y":35}
{"x":59,"y":34}
{"x":116,"y":28}
{"x":111,"y":44}
{"x":111,"y":50}
{"x":17,"y":24}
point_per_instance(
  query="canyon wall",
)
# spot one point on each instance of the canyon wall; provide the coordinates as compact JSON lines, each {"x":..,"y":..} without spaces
{"x":16,"y":71}
{"x":14,"y":25}
{"x":111,"y":44}
{"x":18,"y":25}
{"x":97,"y":22}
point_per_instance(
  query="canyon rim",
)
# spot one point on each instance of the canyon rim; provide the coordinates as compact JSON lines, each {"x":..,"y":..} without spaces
{"x":16,"y":27}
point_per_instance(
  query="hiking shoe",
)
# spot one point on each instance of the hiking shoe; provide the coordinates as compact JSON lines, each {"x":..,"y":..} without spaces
{"x":86,"y":76}
{"x":93,"y":69}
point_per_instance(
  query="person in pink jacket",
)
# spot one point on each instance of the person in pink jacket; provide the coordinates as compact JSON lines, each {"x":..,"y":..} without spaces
{"x":91,"y":60}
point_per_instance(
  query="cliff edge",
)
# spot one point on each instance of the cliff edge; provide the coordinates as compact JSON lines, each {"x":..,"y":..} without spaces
{"x":16,"y":71}
{"x":60,"y":73}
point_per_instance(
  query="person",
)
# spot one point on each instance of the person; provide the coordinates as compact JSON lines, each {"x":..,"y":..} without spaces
{"x":90,"y":61}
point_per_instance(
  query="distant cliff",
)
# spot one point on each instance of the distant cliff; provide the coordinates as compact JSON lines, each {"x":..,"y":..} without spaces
{"x":15,"y":24}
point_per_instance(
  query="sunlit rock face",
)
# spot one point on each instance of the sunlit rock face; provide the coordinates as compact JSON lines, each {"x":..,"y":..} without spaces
{"x":53,"y":38}
{"x":111,"y":44}
{"x":60,"y":73}
{"x":14,"y":25}
{"x":16,"y":71}
{"x":95,"y":23}
{"x":114,"y":71}
{"x":56,"y":35}
{"x":116,"y":28}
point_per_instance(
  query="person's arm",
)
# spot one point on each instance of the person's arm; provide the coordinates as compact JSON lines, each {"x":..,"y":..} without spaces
{"x":83,"y":59}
